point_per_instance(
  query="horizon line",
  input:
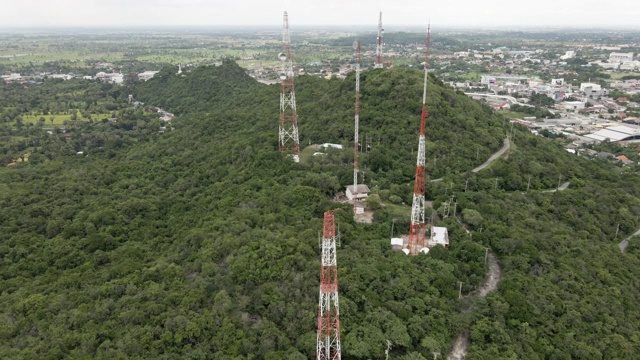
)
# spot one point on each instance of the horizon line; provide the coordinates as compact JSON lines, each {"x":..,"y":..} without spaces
{"x":278,"y":26}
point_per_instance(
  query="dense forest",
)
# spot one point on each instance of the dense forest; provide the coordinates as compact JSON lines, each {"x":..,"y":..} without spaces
{"x":202,"y":242}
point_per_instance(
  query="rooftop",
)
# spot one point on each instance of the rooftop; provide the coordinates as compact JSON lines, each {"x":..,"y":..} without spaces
{"x":362,"y":189}
{"x":616,"y":133}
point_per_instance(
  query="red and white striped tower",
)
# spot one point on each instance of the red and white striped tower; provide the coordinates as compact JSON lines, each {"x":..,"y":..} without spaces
{"x":288,"y":130}
{"x":357,"y":124}
{"x":418,"y":225}
{"x":328,"y":344}
{"x":378,"y":64}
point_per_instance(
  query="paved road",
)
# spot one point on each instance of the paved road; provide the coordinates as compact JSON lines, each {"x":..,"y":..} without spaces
{"x":625,"y":243}
{"x":505,"y":147}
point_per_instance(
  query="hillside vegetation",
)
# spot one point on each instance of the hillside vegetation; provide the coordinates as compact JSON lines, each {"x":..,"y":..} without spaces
{"x":202,"y":242}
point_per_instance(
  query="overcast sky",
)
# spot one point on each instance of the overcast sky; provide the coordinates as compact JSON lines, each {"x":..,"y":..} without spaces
{"x":582,"y":13}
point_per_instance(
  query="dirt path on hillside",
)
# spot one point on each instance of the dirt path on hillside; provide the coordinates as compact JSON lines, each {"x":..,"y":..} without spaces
{"x":625,"y":243}
{"x":460,"y":344}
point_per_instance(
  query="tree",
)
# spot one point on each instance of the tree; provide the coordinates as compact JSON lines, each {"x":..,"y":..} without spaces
{"x":472,"y":217}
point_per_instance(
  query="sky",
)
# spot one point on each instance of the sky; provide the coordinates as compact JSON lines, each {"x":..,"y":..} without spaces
{"x":465,"y":13}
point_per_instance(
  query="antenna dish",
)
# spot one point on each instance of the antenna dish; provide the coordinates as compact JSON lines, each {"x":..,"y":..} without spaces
{"x":282,"y":56}
{"x":405,"y":251}
{"x":283,"y":76}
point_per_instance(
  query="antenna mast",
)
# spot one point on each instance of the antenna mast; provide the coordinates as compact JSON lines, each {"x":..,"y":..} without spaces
{"x":417,"y":230}
{"x":378,"y":64}
{"x":328,"y":342}
{"x":288,"y":130}
{"x":356,"y":139}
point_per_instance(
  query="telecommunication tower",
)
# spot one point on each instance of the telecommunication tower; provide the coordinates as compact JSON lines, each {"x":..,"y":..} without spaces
{"x":417,"y":229}
{"x":328,"y":344}
{"x":356,"y":139}
{"x":288,"y":129}
{"x":378,"y":64}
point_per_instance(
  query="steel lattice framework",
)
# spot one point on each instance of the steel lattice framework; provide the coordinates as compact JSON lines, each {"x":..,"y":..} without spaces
{"x":378,"y":64}
{"x":288,"y":129}
{"x":357,"y":124}
{"x":418,"y":225}
{"x":328,"y":344}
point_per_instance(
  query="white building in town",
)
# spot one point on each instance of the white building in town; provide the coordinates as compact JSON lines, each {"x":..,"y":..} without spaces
{"x":620,"y":57}
{"x":147,"y":75}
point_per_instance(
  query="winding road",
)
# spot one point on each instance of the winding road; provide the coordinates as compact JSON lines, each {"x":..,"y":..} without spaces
{"x":505,"y":147}
{"x":460,"y":343}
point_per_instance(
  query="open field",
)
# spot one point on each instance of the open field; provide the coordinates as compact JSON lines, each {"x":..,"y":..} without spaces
{"x":59,"y":119}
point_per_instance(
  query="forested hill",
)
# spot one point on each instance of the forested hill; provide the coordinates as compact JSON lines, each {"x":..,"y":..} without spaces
{"x":202,"y":242}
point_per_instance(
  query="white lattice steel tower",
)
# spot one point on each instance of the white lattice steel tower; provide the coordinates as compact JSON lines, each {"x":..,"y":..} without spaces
{"x":418,"y":225}
{"x":328,"y":344}
{"x":378,"y":64}
{"x":356,"y":126}
{"x":288,"y":130}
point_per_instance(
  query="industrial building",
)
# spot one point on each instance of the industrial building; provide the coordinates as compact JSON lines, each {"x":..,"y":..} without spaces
{"x":616,"y":133}
{"x":620,"y":57}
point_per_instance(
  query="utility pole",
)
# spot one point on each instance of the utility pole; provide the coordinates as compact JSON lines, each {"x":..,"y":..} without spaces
{"x":460,"y":290}
{"x":288,"y":129}
{"x":617,"y":231}
{"x":328,"y":340}
{"x":559,"y":180}
{"x":466,"y":184}
{"x":417,"y":227}
{"x":455,"y":205}
{"x":486,"y":254}
{"x":529,"y":183}
{"x":496,"y":186}
{"x":393,"y":224}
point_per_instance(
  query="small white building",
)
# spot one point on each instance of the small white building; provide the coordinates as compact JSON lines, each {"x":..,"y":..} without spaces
{"x":568,"y":55}
{"x":590,"y":87}
{"x":147,"y":75}
{"x":329,"y":145}
{"x":114,"y":78}
{"x":362,"y":193}
{"x":397,"y":244}
{"x":620,"y":57}
{"x":439,"y":236}
{"x":573,"y":105}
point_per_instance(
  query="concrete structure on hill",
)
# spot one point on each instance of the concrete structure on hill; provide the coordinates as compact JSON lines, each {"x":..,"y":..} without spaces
{"x":362,"y":193}
{"x":439,"y":236}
